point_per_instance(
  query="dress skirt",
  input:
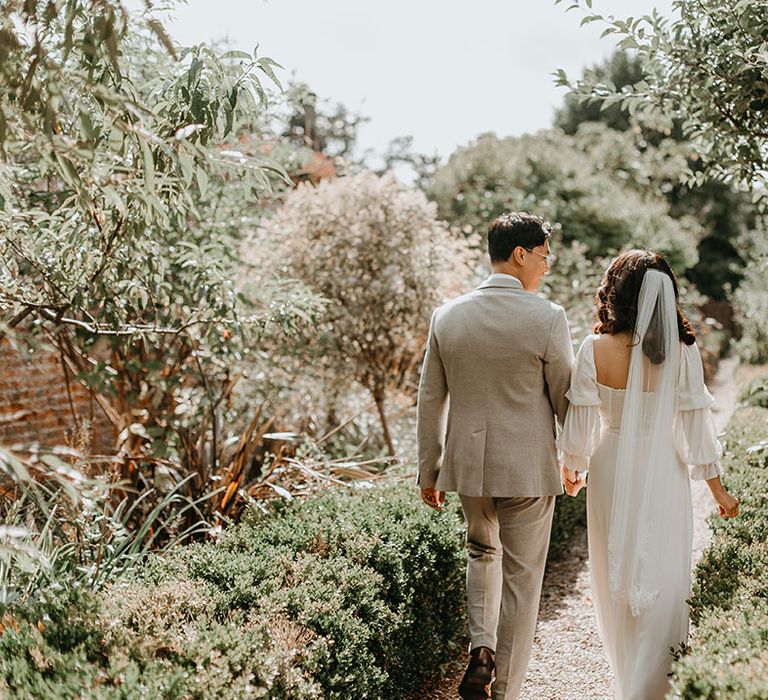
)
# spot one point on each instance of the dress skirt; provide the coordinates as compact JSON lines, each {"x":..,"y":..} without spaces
{"x":639,"y":649}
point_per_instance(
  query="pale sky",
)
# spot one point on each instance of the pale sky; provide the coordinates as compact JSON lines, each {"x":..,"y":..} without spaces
{"x":443,"y":71}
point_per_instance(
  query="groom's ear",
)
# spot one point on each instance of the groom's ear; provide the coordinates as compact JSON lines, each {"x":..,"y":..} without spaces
{"x":518,"y":255}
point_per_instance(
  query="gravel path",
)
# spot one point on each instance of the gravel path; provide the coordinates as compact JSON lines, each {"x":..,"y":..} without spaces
{"x":567,"y":662}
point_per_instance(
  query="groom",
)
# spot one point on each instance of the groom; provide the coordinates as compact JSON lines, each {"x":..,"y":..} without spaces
{"x":497,"y":367}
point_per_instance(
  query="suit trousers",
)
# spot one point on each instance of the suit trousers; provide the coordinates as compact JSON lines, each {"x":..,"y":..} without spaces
{"x":507,"y":542}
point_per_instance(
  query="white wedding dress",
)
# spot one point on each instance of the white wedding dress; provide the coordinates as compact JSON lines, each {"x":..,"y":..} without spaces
{"x":639,"y":518}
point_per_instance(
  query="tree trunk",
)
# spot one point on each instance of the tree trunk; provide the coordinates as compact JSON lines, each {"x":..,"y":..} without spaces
{"x":310,"y":135}
{"x":378,"y":397}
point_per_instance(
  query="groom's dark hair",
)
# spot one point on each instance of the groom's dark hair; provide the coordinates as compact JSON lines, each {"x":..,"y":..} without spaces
{"x":513,"y":229}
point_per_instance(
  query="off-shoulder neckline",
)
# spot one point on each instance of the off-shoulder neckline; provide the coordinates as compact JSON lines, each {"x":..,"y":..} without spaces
{"x":612,"y":388}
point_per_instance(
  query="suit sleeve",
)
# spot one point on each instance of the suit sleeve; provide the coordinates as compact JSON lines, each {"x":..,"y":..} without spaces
{"x":431,"y":412}
{"x":558,"y":364}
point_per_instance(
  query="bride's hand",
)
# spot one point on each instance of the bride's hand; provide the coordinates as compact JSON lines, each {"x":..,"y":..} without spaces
{"x":728,"y":505}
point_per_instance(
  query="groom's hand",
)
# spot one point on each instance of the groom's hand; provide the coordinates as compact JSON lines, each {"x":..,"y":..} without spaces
{"x":571,"y":481}
{"x":433,"y":498}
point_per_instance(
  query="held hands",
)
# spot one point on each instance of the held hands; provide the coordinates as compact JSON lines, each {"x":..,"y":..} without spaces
{"x":573,"y":482}
{"x":433,"y":498}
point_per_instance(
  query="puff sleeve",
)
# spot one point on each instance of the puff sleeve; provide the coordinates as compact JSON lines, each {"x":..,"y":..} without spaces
{"x":697,"y":443}
{"x":580,"y":436}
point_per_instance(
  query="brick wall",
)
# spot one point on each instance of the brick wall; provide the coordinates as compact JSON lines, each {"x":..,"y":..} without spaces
{"x":35,"y":393}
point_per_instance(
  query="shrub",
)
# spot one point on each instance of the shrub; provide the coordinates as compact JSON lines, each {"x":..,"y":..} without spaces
{"x":570,"y":514}
{"x":375,"y":251}
{"x":756,"y":394}
{"x":344,"y":595}
{"x":729,"y":606}
{"x":341,"y":596}
{"x":598,"y":187}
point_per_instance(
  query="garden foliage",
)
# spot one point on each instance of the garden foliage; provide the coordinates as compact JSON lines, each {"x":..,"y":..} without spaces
{"x":601,"y":189}
{"x":751,"y":298}
{"x":342,"y":596}
{"x":705,"y":68}
{"x":127,"y":165}
{"x":723,"y":210}
{"x":345,"y":595}
{"x":375,"y":251}
{"x":698,"y":78}
{"x":133,"y":172}
{"x":729,"y":656}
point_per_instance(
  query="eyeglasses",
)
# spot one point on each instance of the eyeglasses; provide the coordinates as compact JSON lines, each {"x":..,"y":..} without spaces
{"x":549,"y":259}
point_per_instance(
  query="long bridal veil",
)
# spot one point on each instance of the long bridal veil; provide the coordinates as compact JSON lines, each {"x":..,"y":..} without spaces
{"x":638,"y":526}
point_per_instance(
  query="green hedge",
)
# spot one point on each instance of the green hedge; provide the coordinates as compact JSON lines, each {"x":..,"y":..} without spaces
{"x":756,"y":394}
{"x":570,"y":514}
{"x":341,"y":596}
{"x":346,"y":595}
{"x":729,"y":656}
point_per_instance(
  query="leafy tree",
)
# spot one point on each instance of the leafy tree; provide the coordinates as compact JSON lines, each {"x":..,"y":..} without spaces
{"x":332,"y":129}
{"x":706,"y":68}
{"x":400,"y":151}
{"x":621,"y":70}
{"x":375,"y":251}
{"x":722,"y":210}
{"x":122,"y":193}
{"x":597,"y":185}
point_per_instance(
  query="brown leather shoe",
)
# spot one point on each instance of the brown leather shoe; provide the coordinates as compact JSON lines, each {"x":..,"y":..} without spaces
{"x":477,"y":680}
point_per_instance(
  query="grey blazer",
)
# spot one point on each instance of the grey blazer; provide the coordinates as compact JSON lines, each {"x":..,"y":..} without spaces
{"x":497,"y":366}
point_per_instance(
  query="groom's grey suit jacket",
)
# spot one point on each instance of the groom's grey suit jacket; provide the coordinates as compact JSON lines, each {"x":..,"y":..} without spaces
{"x":497,"y":367}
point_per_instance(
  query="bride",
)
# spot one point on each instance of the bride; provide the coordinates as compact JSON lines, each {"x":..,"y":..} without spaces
{"x":639,"y":414}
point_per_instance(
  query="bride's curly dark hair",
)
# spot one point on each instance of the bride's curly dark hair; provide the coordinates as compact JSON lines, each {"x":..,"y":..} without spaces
{"x":619,"y":291}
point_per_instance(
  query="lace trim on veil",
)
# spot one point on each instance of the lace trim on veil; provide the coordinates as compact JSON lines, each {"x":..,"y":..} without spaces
{"x":638,"y":599}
